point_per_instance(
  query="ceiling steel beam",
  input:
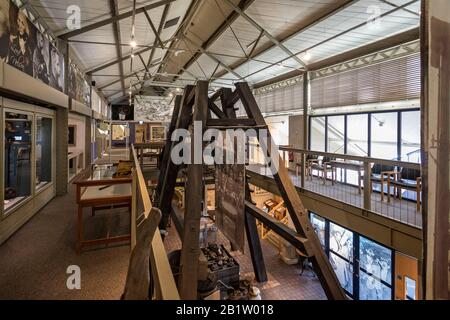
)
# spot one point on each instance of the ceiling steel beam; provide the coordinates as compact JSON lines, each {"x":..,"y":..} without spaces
{"x":266,"y":33}
{"x":96,"y":25}
{"x":117,"y":37}
{"x":335,"y":36}
{"x":113,"y":62}
{"x":244,"y":4}
{"x":380,"y":45}
{"x":396,"y":6}
{"x":157,"y":39}
{"x":305,"y":25}
{"x":150,"y":22}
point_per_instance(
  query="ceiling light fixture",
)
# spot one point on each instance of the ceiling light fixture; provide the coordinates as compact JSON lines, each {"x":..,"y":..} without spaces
{"x":307,"y":56}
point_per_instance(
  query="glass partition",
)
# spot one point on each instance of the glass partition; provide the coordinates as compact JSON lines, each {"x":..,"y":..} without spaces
{"x":43,"y":151}
{"x":364,"y":268}
{"x":375,"y":274}
{"x":318,"y":224}
{"x":318,"y":133}
{"x":410,"y":143}
{"x":336,"y":134}
{"x":341,"y":255}
{"x":18,"y":139}
{"x":384,"y":136}
{"x":358,"y":135}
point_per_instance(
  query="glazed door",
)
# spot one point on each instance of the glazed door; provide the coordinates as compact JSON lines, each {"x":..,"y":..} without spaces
{"x":406,"y":277}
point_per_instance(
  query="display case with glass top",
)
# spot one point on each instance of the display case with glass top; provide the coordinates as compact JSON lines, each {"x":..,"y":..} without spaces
{"x":43,"y":152}
{"x":18,"y":147}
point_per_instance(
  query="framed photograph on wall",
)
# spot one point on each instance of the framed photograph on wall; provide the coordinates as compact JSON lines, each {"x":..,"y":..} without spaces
{"x":157,"y":133}
{"x":72,"y":136}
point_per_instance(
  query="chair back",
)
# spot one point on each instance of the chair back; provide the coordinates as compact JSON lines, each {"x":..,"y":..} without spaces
{"x":410,"y":174}
{"x":312,"y":157}
{"x":379,"y":168}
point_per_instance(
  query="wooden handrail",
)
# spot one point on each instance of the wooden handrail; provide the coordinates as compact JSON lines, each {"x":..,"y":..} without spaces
{"x":402,"y":164}
{"x":141,"y":184}
{"x":148,"y":248}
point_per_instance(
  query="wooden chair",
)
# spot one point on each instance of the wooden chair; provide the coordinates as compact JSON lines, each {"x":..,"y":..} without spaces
{"x":299,"y":165}
{"x":321,"y":166}
{"x":406,"y":179}
{"x":380,"y":174}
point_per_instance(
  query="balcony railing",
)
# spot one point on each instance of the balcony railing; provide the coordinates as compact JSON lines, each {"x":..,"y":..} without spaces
{"x":149,"y":270}
{"x":390,"y":188}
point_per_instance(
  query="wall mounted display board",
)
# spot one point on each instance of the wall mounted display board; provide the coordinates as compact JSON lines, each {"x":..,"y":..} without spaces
{"x":230,"y":205}
{"x":158,"y":133}
{"x":79,"y":88}
{"x":25,"y":48}
{"x":153,"y":109}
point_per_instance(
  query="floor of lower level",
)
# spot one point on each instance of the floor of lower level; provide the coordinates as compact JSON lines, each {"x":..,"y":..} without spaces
{"x":34,"y":261}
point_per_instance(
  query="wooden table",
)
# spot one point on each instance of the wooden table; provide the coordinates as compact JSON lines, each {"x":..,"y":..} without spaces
{"x":155,"y":148}
{"x":97,"y":189}
{"x":347,"y":165}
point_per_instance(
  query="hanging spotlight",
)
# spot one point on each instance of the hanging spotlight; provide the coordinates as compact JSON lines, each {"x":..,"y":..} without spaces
{"x":133,"y":43}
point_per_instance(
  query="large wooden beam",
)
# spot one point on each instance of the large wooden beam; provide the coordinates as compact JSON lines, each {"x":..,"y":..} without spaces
{"x":190,"y":250}
{"x":297,"y":211}
{"x":254,"y":243}
{"x":278,"y":227}
{"x":169,"y":168}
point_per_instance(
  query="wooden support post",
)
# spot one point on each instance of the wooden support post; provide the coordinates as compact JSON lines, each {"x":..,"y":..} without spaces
{"x":167,"y":148}
{"x":251,"y":229}
{"x":194,"y":193}
{"x":254,"y":243}
{"x":168,"y":182}
{"x":297,"y":211}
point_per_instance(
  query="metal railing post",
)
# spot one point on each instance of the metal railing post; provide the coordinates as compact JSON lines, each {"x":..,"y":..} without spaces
{"x":367,"y":187}
{"x":303,"y":169}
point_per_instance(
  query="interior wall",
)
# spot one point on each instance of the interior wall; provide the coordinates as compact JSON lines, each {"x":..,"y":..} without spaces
{"x":80,"y":123}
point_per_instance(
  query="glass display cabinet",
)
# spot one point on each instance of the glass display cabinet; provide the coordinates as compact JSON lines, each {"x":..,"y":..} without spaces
{"x":43,"y":152}
{"x":28,"y":157}
{"x":17,"y":157}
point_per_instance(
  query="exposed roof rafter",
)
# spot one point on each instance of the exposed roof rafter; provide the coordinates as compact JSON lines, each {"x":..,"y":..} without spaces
{"x":108,"y":21}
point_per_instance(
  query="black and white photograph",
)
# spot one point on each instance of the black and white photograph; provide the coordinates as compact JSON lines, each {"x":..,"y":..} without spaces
{"x":375,"y":271}
{"x":56,"y":69}
{"x":5,"y":28}
{"x":341,"y":255}
{"x":22,"y":42}
{"x":41,"y":59}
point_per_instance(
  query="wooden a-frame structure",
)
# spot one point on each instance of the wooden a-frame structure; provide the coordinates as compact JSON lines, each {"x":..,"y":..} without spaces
{"x":196,"y":105}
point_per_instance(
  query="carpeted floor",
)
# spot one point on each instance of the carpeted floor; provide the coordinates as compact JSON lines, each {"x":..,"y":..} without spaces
{"x":34,"y":261}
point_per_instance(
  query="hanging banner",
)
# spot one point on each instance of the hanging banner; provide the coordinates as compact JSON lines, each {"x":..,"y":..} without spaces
{"x":153,"y":109}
